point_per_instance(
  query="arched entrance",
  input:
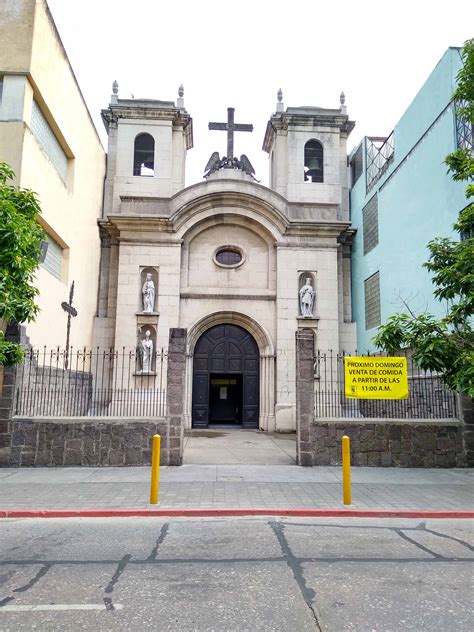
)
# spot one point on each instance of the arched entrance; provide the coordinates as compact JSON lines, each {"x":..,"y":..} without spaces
{"x":226,"y":378}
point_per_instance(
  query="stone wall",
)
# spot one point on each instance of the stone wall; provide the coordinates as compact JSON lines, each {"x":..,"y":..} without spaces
{"x":99,"y":441}
{"x":58,"y":440}
{"x":382,"y":442}
{"x":46,"y":390}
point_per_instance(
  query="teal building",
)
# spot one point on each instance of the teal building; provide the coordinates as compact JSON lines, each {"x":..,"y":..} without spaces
{"x":402,"y":197}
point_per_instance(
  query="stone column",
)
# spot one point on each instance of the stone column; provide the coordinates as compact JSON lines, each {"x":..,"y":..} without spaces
{"x":267,"y":393}
{"x":465,"y":406}
{"x":176,"y":378}
{"x":8,"y":375}
{"x":7,"y":384}
{"x":304,"y":395}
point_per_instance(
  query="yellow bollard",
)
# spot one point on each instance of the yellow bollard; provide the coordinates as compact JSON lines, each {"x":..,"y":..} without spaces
{"x":155,"y":469}
{"x":346,"y":471}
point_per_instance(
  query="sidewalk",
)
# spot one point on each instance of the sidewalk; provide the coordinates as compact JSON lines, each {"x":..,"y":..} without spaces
{"x":236,"y":487}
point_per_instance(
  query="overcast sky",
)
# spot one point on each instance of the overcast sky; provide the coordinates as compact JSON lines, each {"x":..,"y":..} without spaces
{"x":239,"y":53}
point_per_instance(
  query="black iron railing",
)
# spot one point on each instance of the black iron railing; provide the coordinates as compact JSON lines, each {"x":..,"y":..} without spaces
{"x":91,"y":382}
{"x":429,"y":397}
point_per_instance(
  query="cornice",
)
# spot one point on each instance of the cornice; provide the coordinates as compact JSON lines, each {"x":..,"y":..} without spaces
{"x":305,"y":117}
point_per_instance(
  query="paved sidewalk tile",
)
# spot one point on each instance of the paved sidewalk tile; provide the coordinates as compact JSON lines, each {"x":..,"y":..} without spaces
{"x":253,"y":486}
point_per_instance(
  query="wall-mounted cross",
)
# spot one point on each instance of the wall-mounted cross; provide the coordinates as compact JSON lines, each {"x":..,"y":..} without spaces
{"x":230,"y":127}
{"x":71,"y":313}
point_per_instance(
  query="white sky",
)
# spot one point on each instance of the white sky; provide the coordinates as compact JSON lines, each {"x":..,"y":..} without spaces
{"x":237,"y":54}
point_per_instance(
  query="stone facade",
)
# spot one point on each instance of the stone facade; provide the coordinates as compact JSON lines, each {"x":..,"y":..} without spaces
{"x":283,"y":232}
{"x":382,"y":442}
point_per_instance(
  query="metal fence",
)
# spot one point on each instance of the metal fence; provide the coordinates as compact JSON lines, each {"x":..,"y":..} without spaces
{"x":429,"y":397}
{"x":91,"y":382}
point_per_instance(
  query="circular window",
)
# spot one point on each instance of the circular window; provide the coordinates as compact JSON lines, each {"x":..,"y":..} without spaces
{"x":229,"y":256}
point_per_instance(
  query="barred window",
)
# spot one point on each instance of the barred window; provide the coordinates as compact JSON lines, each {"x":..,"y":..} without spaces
{"x":464,"y":127}
{"x":48,"y":141}
{"x":370,"y":223}
{"x":372,"y":301}
{"x":53,"y":259}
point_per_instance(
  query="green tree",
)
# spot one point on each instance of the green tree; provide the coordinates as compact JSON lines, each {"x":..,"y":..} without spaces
{"x":20,"y":248}
{"x":446,"y":345}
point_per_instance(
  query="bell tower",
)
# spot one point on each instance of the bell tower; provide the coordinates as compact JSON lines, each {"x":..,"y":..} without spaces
{"x":148,"y":141}
{"x":308,"y":153}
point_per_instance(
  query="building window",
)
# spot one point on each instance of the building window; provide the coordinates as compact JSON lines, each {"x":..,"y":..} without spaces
{"x":48,"y":141}
{"x":356,"y":166}
{"x":52,"y":260}
{"x":229,"y":257}
{"x":370,"y":222}
{"x":379,"y":155}
{"x":464,"y":127}
{"x":313,"y":161}
{"x":144,"y":155}
{"x":372,"y":301}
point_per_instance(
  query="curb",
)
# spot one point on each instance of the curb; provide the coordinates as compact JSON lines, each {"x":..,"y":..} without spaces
{"x":229,"y":512}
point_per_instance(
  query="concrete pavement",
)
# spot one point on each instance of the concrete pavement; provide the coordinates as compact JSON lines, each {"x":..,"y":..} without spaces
{"x":236,"y":446}
{"x":236,"y":575}
{"x":236,"y":486}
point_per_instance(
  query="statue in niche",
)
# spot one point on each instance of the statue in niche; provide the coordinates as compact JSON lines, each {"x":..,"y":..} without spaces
{"x":147,"y":352}
{"x":148,"y":292}
{"x":307,"y":294}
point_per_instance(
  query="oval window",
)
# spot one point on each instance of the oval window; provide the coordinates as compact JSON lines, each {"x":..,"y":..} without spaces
{"x":228,"y":256}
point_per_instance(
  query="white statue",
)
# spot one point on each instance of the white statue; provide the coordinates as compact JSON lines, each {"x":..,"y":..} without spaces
{"x":307,"y":299}
{"x":148,"y":292}
{"x":147,"y":353}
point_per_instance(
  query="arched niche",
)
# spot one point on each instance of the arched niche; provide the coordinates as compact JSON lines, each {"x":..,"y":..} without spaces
{"x":146,"y":354}
{"x":148,"y":294}
{"x":306,"y":296}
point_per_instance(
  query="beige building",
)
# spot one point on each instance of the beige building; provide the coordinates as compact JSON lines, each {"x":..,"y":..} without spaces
{"x":48,"y":138}
{"x":238,"y":265}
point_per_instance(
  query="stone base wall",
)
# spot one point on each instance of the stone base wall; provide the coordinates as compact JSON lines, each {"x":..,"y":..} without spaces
{"x":93,"y":441}
{"x":390,"y":443}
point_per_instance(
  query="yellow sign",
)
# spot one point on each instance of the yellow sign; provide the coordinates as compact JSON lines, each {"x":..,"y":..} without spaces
{"x":375,"y":377}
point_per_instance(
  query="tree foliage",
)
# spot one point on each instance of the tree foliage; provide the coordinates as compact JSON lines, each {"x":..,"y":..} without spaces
{"x":20,"y":248}
{"x":446,"y":345}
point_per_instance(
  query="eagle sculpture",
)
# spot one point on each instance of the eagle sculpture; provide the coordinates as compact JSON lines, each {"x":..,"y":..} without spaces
{"x":215,"y":163}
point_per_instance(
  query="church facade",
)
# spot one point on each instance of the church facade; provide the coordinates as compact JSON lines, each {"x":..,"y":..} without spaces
{"x":239,"y":266}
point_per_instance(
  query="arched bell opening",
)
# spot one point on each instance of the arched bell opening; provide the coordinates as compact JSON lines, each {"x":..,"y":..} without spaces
{"x":313,"y":161}
{"x":225,"y":385}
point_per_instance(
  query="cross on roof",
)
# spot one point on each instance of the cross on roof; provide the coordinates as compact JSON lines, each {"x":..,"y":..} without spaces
{"x":230,"y":127}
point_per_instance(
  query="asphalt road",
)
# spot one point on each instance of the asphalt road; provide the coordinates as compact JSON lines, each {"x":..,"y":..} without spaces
{"x":236,"y":574}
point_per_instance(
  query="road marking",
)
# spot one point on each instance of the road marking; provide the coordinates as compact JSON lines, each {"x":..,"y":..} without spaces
{"x":59,"y":606}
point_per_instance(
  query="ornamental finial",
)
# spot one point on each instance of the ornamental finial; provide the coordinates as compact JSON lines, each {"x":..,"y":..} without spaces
{"x":280,"y":106}
{"x":181,"y":91}
{"x":115,"y":87}
{"x":342,"y":98}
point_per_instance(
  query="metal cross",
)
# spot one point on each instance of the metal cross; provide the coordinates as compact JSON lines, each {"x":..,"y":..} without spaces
{"x":71,"y":313}
{"x":231,"y":127}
